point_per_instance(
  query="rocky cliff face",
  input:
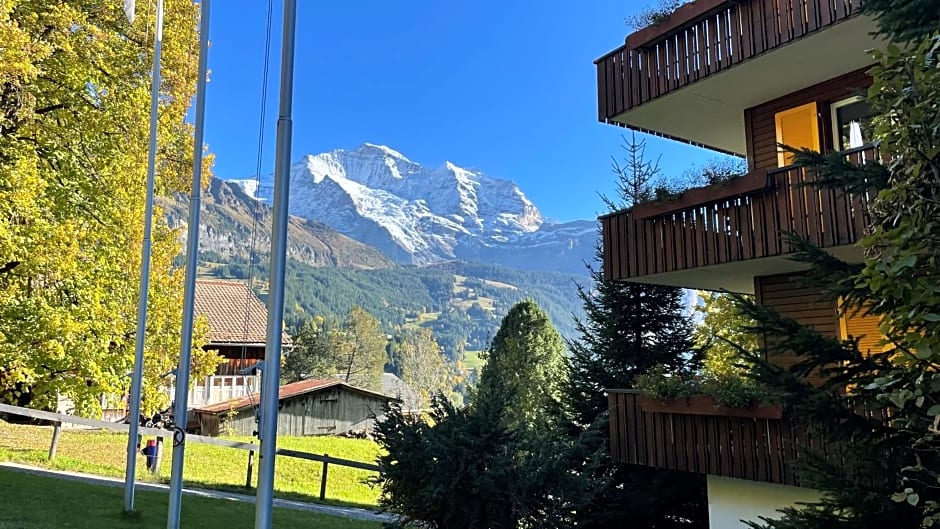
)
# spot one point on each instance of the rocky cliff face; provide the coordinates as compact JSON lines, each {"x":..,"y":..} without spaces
{"x":419,"y":215}
{"x":228,"y":222}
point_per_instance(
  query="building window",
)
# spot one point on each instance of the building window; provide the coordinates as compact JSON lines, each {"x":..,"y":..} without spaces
{"x":852,"y":123}
{"x":798,"y":128}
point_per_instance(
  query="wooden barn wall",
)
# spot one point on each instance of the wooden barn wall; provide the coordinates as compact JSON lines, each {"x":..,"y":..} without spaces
{"x":759,"y":121}
{"x":329,"y":412}
{"x":788,"y":297}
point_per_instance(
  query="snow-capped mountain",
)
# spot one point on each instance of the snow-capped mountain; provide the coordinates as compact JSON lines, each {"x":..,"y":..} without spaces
{"x":421,"y":215}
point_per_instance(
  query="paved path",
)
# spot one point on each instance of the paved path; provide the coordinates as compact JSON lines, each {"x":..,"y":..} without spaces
{"x":347,"y":512}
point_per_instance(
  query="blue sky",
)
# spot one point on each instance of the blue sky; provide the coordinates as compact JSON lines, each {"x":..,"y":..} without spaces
{"x":501,"y":86}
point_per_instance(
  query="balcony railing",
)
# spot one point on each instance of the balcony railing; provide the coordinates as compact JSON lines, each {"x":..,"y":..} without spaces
{"x":220,"y":388}
{"x":704,"y":38}
{"x":725,"y":223}
{"x":753,"y":448}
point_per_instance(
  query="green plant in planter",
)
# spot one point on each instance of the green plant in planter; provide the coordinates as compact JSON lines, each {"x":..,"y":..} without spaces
{"x":653,"y":15}
{"x":665,"y":193}
{"x":734,"y":391}
{"x":726,"y":389}
{"x":663,"y":385}
{"x":721,"y":170}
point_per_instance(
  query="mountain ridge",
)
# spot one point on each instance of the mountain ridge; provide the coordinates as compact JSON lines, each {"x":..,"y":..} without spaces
{"x":420,"y":215}
{"x":233,"y":225}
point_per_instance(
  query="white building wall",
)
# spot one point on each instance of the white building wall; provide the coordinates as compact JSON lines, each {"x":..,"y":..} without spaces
{"x":732,"y":500}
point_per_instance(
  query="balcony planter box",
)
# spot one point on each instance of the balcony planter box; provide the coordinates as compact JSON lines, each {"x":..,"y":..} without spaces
{"x":684,"y":16}
{"x":749,"y":183}
{"x":705,"y":405}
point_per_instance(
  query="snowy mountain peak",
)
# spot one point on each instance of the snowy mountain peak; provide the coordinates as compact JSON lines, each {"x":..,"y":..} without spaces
{"x":367,"y":147}
{"x":415,"y":214}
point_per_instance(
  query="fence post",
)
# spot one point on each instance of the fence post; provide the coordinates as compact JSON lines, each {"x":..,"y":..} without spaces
{"x":56,"y":430}
{"x":251,"y":464}
{"x":323,"y":478}
{"x":157,"y":456}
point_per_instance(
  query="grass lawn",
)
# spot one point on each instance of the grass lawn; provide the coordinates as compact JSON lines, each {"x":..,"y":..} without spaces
{"x":207,"y":466}
{"x":472,"y":360}
{"x":38,"y":502}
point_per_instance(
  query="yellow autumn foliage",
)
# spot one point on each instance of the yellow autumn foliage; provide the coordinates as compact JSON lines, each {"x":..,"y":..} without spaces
{"x":74,"y":110}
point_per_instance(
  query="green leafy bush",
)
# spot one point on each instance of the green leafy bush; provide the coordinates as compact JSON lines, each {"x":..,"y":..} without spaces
{"x":727,"y":389}
{"x":652,"y":15}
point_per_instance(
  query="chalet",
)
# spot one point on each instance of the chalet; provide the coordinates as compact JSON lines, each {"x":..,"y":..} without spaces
{"x":739,"y":77}
{"x":237,"y":332}
{"x":308,"y":407}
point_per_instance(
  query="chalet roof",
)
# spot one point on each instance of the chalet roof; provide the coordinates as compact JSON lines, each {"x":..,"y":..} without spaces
{"x":287,"y":391}
{"x":235,"y":314}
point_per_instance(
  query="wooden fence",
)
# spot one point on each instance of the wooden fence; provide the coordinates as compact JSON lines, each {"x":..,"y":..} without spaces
{"x":713,"y":36}
{"x":735,"y":222}
{"x":57,"y":419}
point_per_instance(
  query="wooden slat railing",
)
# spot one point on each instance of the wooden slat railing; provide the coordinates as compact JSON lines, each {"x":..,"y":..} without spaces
{"x":708,"y":43}
{"x":728,"y":223}
{"x":757,"y":449}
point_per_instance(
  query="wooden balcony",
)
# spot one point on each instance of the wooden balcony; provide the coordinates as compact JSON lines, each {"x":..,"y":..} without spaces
{"x":754,"y":448}
{"x":730,"y":223}
{"x":702,"y":39}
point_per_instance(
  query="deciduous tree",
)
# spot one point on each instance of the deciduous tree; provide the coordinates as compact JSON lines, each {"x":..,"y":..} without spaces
{"x":423,"y":366}
{"x":74,"y":100}
{"x":525,"y":366}
{"x":313,"y":354}
{"x":360,"y":349}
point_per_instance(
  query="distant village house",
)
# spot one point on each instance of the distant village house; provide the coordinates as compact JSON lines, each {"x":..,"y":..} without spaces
{"x":238,"y":323}
{"x":308,"y":407}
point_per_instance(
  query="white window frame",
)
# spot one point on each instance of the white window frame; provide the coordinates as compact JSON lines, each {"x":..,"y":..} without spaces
{"x":834,"y":116}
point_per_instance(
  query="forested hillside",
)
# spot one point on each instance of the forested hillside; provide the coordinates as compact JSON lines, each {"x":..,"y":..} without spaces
{"x":461,"y":302}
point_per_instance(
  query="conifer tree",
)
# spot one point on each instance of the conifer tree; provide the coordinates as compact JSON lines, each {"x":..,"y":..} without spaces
{"x":629,"y":329}
{"x":499,"y":463}
{"x":874,"y":472}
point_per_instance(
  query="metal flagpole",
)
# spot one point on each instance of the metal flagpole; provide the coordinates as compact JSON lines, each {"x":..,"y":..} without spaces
{"x":129,"y":10}
{"x":138,"y":374}
{"x":180,"y":406}
{"x":272,"y":356}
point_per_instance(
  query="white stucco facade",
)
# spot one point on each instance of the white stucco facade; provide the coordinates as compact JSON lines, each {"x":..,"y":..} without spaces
{"x":732,"y":500}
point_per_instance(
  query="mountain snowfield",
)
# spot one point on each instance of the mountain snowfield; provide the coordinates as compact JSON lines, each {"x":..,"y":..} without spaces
{"x":419,"y":215}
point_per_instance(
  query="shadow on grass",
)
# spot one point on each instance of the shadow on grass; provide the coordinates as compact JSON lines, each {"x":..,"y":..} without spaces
{"x":313,"y":497}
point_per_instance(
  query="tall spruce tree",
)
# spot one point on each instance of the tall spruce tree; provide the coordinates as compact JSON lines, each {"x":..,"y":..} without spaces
{"x":629,"y":329}
{"x":875,"y":472}
{"x":500,"y":463}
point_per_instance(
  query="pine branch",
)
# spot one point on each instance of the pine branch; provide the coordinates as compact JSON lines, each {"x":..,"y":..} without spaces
{"x":835,"y":171}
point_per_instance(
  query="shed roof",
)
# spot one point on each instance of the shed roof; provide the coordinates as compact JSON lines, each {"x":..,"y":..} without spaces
{"x":235,"y":314}
{"x":287,"y":391}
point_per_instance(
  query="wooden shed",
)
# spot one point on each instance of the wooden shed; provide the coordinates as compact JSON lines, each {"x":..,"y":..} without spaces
{"x":308,"y":407}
